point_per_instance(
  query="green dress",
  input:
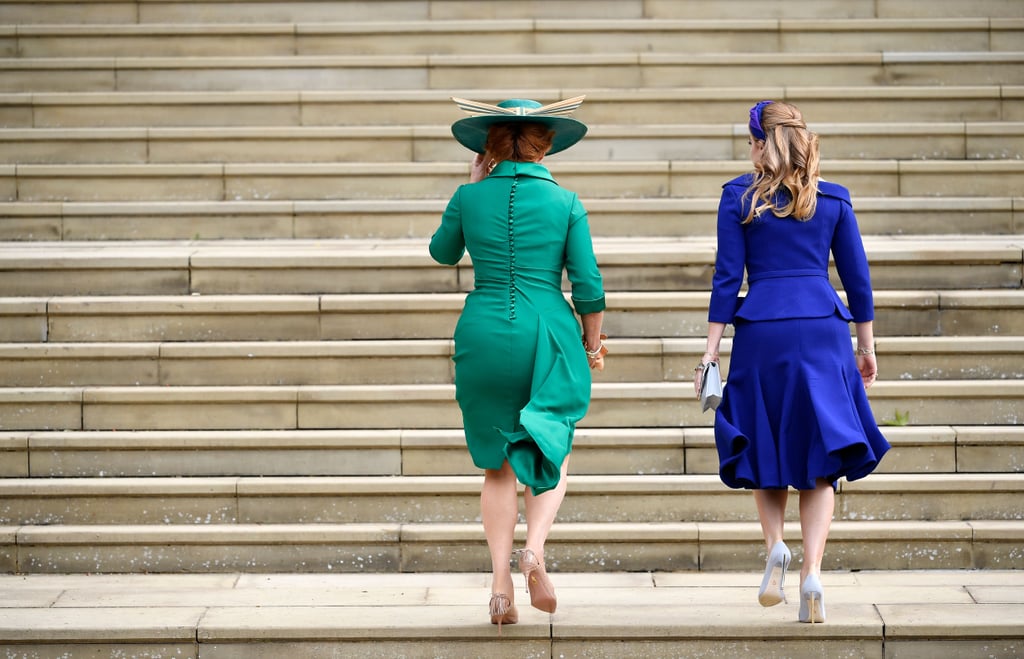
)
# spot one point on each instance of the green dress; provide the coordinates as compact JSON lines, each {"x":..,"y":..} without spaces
{"x":521,"y":374}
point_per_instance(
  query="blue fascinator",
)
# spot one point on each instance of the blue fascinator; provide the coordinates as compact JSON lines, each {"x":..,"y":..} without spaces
{"x":755,"y":120}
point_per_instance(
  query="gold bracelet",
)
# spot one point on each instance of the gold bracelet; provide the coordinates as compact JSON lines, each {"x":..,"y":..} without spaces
{"x":865,"y":351}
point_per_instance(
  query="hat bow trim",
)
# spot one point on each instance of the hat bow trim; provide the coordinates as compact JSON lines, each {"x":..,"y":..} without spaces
{"x":557,"y":109}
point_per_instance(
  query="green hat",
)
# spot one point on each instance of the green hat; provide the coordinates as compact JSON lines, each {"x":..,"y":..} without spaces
{"x":471,"y":132}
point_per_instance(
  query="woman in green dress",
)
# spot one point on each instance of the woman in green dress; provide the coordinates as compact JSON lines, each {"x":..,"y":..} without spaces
{"x":522,"y":377}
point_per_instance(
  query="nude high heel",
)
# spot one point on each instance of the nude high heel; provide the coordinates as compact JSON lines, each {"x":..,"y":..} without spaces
{"x":542,"y":592}
{"x":502,"y":611}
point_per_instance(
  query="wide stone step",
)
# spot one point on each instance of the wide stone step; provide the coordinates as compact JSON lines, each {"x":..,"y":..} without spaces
{"x":470,"y":37}
{"x":351,"y":267}
{"x":614,"y":405}
{"x":622,"y":70}
{"x":423,"y":143}
{"x":433,"y":316}
{"x":710,"y":105}
{"x":319,"y":11}
{"x":663,"y":614}
{"x":419,"y":218}
{"x":456,"y":499}
{"x":442,"y":452}
{"x":960,"y":358}
{"x":370,"y":180}
{"x":460,"y":547}
{"x":205,"y":11}
{"x":429,"y":361}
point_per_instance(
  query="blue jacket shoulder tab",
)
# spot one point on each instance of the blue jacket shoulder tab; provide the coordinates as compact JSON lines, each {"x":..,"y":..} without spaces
{"x":743,"y":180}
{"x":834,"y":190}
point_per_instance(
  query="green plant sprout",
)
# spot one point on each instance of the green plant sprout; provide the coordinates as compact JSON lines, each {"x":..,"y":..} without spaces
{"x":898,"y":419}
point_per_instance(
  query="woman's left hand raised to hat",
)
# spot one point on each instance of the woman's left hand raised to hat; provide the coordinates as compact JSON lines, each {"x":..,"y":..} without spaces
{"x":479,"y":169}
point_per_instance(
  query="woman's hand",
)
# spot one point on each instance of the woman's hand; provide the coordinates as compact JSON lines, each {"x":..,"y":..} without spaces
{"x":865,"y":352}
{"x":868,"y":368}
{"x":594,"y":338}
{"x":478,"y":170}
{"x":698,"y":372}
{"x":596,"y":357}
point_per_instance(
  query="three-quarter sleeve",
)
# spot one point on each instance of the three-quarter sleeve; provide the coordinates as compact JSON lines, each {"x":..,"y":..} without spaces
{"x":581,"y":264}
{"x":852,"y":265}
{"x":730,"y":259}
{"x":448,"y":244}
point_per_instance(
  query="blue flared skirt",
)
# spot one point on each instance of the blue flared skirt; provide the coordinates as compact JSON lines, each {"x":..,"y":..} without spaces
{"x":794,"y":409}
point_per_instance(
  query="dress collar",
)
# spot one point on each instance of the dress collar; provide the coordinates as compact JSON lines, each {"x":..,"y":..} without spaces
{"x":511,"y":168}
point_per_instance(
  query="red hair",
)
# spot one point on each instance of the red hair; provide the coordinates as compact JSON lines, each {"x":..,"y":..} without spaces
{"x":519,"y":141}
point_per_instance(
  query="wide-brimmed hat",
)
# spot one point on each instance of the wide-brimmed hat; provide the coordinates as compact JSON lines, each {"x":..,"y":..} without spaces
{"x":471,"y":132}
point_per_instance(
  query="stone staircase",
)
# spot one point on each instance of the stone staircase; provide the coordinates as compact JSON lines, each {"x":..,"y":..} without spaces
{"x":224,"y":348}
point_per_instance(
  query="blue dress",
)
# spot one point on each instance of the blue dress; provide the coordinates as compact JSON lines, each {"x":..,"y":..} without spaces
{"x":521,"y":375}
{"x":794,"y":408}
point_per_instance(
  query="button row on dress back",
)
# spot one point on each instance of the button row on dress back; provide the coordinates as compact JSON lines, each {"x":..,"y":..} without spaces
{"x":512,"y":251}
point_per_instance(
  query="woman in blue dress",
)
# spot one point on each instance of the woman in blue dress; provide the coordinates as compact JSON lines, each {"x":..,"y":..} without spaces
{"x":794,"y":411}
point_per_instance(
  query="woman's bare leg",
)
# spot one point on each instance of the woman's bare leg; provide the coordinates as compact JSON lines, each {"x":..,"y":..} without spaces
{"x":816,"y":509}
{"x":771,"y":510}
{"x":499,"y":508}
{"x":541,"y":511}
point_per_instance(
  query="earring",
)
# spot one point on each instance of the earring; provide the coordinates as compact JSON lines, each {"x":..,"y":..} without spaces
{"x":491,"y":165}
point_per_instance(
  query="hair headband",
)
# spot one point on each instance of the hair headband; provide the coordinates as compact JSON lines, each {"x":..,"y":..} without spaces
{"x":755,"y":120}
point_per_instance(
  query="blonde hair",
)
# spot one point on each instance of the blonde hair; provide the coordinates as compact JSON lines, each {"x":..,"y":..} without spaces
{"x":519,"y":141}
{"x":789,"y":163}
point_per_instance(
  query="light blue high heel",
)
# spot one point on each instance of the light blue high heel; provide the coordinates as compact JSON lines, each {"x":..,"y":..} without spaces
{"x":771,"y":592}
{"x":812,"y":600}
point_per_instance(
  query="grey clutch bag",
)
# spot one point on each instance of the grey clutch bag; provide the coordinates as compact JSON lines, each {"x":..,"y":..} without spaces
{"x":710,"y":387}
